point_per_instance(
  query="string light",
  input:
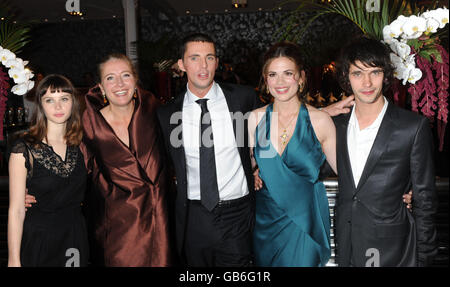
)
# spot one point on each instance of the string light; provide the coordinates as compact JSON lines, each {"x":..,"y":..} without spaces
{"x":239,"y":3}
{"x":74,"y":13}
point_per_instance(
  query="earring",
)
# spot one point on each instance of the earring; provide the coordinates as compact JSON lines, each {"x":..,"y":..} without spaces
{"x":300,"y":87}
{"x":105,"y":101}
{"x":135,"y":93}
{"x":267,"y":90}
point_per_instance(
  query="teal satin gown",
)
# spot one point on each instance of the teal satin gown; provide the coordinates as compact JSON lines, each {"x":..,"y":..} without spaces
{"x":292,"y":225}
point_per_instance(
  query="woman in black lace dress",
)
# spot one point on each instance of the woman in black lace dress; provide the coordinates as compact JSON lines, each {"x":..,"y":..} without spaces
{"x":47,"y":161}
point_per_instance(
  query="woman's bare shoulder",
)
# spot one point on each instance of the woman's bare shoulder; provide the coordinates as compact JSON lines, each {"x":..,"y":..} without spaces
{"x":316,"y":114}
{"x":258,"y":113}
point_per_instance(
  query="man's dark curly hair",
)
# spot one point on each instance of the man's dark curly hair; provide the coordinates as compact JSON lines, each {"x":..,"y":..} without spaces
{"x":369,"y":52}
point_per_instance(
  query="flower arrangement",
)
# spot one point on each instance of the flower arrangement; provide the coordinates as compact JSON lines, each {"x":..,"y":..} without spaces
{"x":17,"y":72}
{"x":13,"y":37}
{"x":412,"y":41}
{"x":406,"y":32}
{"x":413,"y":36}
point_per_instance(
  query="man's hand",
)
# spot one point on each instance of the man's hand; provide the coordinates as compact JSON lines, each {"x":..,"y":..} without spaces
{"x":258,"y":180}
{"x":29,"y":200}
{"x":407,"y":198}
{"x":341,"y":107}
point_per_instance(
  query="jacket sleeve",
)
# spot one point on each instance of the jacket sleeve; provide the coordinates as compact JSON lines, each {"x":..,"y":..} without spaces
{"x":424,"y":193}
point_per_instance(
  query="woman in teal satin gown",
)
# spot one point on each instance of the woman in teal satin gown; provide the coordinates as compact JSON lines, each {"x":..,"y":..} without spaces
{"x":291,"y":141}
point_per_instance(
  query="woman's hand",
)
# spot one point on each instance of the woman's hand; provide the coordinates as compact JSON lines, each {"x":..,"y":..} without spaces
{"x":258,"y":180}
{"x":29,"y":200}
{"x":407,"y":198}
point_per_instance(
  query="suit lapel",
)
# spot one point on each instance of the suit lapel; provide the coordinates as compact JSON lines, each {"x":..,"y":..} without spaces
{"x":343,"y":151}
{"x":233,"y":105}
{"x":379,"y":146}
{"x":179,"y":153}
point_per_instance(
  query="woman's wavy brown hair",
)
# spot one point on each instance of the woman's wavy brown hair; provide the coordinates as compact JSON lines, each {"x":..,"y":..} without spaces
{"x":288,"y":50}
{"x":38,"y":128}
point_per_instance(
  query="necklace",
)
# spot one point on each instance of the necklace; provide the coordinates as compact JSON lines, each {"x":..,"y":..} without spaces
{"x":284,"y":136}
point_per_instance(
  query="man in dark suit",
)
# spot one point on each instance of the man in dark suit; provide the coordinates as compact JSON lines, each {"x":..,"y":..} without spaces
{"x":205,"y":133}
{"x":383,"y":151}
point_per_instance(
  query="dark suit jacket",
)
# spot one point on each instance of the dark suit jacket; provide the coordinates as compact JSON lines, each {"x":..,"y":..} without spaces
{"x":372,"y":214}
{"x":239,"y":99}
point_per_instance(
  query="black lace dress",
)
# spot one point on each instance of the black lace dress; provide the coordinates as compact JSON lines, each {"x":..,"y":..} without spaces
{"x":54,"y":230}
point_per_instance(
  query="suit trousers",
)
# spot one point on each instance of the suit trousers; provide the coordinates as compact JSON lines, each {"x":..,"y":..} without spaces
{"x":221,"y":237}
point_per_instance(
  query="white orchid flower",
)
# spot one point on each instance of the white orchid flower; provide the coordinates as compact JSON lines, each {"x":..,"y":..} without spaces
{"x":442,"y":16}
{"x":20,"y":89}
{"x":28,"y":73}
{"x":414,"y":75}
{"x":432,"y":25}
{"x":414,"y":27}
{"x":399,"y":66}
{"x":395,"y":59}
{"x":17,"y":72}
{"x":6,"y":55}
{"x":410,"y":62}
{"x":396,"y":26}
{"x":388,"y":35}
{"x":30,"y":85}
{"x":14,"y":63}
{"x":401,"y":49}
{"x":18,"y":75}
{"x":401,"y":73}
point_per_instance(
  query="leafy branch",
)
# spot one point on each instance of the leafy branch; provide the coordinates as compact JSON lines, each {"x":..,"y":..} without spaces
{"x":354,"y":10}
{"x":13,"y":36}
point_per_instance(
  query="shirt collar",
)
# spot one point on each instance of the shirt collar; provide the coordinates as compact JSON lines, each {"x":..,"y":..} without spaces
{"x":211,"y":95}
{"x":354,"y":122}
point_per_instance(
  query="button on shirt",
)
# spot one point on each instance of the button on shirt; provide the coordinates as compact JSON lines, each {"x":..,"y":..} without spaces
{"x":231,"y":179}
{"x":360,"y":142}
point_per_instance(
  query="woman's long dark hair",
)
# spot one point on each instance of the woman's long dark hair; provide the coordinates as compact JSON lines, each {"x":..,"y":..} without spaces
{"x":284,"y":49}
{"x":38,"y":129}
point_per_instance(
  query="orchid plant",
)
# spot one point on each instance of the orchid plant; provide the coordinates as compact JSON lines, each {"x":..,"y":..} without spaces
{"x":413,"y":36}
{"x":412,"y":41}
{"x":17,"y":71}
{"x":13,"y":37}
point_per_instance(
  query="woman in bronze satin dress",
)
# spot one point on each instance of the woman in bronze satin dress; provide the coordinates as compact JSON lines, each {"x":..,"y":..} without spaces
{"x":128,"y":201}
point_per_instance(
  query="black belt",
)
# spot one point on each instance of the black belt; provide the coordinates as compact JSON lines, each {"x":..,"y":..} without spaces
{"x":225,"y":203}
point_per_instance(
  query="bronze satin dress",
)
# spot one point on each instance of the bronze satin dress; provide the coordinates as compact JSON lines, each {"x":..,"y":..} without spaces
{"x":128,"y":201}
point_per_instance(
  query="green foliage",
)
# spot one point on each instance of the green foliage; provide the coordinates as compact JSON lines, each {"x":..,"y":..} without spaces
{"x":370,"y":23}
{"x":13,"y":36}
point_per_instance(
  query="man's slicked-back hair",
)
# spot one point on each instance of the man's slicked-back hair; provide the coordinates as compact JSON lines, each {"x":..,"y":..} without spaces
{"x":197,"y":37}
{"x":369,"y":52}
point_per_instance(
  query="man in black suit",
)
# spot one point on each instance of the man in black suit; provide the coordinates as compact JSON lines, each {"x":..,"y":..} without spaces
{"x":383,"y":151}
{"x":205,"y":133}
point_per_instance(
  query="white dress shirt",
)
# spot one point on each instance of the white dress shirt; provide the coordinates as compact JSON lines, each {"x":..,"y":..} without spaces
{"x":360,"y":142}
{"x":231,"y":179}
